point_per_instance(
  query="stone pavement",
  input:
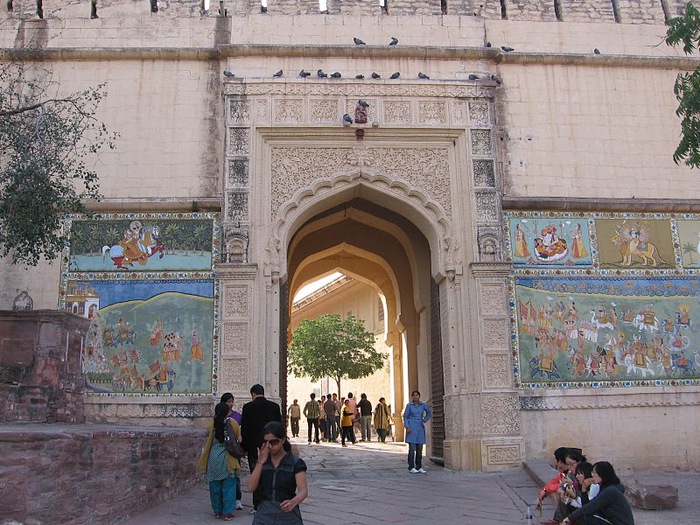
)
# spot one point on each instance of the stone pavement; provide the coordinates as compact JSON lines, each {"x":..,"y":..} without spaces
{"x":368,"y":484}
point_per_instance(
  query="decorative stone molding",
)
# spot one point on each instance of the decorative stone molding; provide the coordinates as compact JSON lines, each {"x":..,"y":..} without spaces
{"x":613,"y":398}
{"x":499,"y":414}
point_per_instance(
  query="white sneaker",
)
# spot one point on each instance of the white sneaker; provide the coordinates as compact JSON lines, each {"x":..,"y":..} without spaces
{"x":239,"y":504}
{"x":414,"y":471}
{"x":422,"y":470}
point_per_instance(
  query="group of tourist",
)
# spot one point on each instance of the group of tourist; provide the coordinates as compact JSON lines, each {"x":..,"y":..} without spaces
{"x":585,"y":493}
{"x":277,"y":478}
{"x":331,"y":417}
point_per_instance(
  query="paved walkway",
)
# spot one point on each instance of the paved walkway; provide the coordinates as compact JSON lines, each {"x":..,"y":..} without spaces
{"x":368,"y":484}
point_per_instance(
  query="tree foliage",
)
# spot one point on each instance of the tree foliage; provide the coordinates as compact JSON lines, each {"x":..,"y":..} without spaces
{"x":335,"y":348}
{"x":685,"y":30}
{"x":48,"y":146}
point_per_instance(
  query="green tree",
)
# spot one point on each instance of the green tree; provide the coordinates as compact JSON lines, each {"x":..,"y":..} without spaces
{"x":335,"y":348}
{"x":48,"y":143}
{"x":685,"y":30}
{"x":689,"y":249}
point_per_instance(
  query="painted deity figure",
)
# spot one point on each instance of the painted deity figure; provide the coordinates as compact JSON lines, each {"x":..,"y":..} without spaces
{"x":520,"y":243}
{"x":578,"y":246}
{"x":196,"y":351}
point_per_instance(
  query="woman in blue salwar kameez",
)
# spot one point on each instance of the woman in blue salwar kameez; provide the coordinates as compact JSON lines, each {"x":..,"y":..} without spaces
{"x":414,"y":417}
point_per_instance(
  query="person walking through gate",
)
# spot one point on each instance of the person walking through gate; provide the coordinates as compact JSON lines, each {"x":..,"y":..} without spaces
{"x":256,"y":414}
{"x":312,"y":412}
{"x":294,"y":417}
{"x":365,"y":408}
{"x":382,"y":420}
{"x":416,"y":414}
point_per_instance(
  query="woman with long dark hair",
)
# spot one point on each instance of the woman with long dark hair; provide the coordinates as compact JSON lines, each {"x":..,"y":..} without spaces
{"x":280,"y":479}
{"x":609,"y":507}
{"x":221,"y":467}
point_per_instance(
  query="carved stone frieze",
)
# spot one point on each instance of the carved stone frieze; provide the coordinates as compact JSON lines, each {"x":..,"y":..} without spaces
{"x":481,"y":142}
{"x":235,"y":302}
{"x":358,"y":91}
{"x":610,"y":398}
{"x":239,"y":142}
{"x":499,"y":414}
{"x":288,"y":111}
{"x":235,"y":341}
{"x":239,"y":111}
{"x":323,"y":111}
{"x":261,"y":111}
{"x":238,"y":173}
{"x":493,"y":299}
{"x":486,"y":206}
{"x":458,"y":113}
{"x":432,"y":112}
{"x":235,"y":374}
{"x":426,"y":169}
{"x":398,"y":112}
{"x":496,"y":334}
{"x":479,"y":113}
{"x":484,"y":173}
{"x":497,"y":371}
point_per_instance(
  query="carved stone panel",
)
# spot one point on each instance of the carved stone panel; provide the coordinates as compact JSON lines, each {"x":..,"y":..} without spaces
{"x":497,"y":371}
{"x":288,"y":111}
{"x":493,"y":299}
{"x":235,"y":302}
{"x":432,"y":112}
{"x":458,"y":113}
{"x":235,"y":343}
{"x":479,"y":113}
{"x":398,"y":112}
{"x":484,"y":173}
{"x":481,"y":142}
{"x":499,"y":454}
{"x":499,"y":414}
{"x":486,"y":206}
{"x":238,"y":206}
{"x":238,"y":172}
{"x":239,"y":111}
{"x":495,"y":334}
{"x":323,"y":111}
{"x":239,"y":141}
{"x":235,"y":374}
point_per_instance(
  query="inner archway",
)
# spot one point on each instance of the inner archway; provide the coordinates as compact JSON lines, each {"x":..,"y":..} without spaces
{"x":382,"y":249}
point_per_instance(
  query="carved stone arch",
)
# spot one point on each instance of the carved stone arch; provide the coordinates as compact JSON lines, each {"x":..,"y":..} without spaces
{"x":412,"y":203}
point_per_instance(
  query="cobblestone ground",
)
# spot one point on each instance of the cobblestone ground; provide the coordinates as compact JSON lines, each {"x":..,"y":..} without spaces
{"x":368,"y":484}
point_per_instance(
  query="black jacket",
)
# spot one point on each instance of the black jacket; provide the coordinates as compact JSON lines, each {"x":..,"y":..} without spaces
{"x":611,"y":504}
{"x":256,"y":414}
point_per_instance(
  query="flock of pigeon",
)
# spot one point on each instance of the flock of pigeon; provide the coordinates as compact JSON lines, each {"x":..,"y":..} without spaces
{"x":358,"y":42}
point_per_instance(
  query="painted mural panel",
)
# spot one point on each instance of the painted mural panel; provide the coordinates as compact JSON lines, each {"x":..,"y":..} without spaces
{"x":635,"y":243}
{"x":550,"y":241}
{"x":689,"y":242}
{"x":151,"y":298}
{"x":607,"y":330}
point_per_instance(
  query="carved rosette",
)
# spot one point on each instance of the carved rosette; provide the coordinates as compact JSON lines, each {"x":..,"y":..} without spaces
{"x":499,"y":414}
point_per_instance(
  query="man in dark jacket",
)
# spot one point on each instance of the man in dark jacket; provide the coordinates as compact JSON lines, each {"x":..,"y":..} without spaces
{"x":256,"y":414}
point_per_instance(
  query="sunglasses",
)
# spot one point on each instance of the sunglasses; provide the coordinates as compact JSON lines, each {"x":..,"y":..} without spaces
{"x":272,"y":442}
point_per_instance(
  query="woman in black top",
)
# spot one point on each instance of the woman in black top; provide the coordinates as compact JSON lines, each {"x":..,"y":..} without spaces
{"x":279,"y":477}
{"x":609,"y":507}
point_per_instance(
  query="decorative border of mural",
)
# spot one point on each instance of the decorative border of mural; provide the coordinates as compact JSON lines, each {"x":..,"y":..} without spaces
{"x":138,"y":272}
{"x":635,"y":274}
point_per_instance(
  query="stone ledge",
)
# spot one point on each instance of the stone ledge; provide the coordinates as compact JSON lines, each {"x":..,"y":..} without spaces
{"x":539,"y":471}
{"x":651,"y":496}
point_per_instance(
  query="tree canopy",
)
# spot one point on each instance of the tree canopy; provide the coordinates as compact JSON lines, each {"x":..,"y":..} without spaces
{"x":48,"y":144}
{"x":335,"y":348}
{"x":685,"y":30}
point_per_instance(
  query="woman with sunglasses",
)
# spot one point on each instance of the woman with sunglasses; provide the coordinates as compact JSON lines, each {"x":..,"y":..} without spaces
{"x":279,"y":477}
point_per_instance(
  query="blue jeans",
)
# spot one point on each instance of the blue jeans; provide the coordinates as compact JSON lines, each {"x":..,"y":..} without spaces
{"x":415,"y":450}
{"x":223,"y":495}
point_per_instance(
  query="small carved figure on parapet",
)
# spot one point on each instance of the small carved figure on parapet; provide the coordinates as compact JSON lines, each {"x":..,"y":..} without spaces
{"x":361,"y":112}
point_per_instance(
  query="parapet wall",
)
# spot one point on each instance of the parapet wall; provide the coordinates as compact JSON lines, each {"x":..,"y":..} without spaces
{"x":595,"y":11}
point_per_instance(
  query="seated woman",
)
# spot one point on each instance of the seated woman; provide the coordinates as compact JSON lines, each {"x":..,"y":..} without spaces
{"x":609,"y":507}
{"x":587,"y":490}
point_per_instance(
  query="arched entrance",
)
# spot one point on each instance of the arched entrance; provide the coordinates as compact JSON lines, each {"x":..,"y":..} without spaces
{"x":377,"y":245}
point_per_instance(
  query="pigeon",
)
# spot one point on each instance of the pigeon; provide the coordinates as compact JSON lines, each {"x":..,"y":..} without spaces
{"x":278,"y":74}
{"x":304,"y":74}
{"x":321,"y":74}
{"x":363,"y":103}
{"x":359,"y":77}
{"x":358,"y":42}
{"x":496,"y":79}
{"x":423,"y":75}
{"x":395,"y":76}
{"x":376,"y":76}
{"x":394,"y":41}
{"x":507,"y":49}
{"x":488,"y":44}
{"x":472,"y":76}
{"x":229,"y":74}
{"x":347,"y":120}
{"x":336,"y":75}
{"x":596,"y":51}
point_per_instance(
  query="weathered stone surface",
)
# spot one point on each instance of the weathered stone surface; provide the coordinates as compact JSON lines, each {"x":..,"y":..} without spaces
{"x":651,"y":496}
